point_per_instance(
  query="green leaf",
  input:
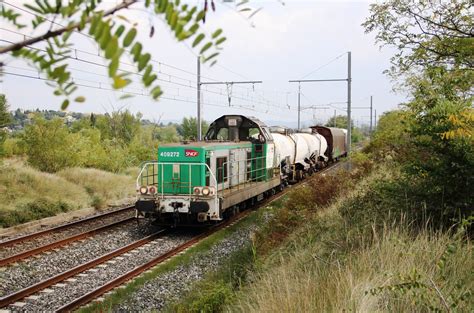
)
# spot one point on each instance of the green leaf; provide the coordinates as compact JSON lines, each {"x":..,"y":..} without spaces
{"x":94,"y":23}
{"x":194,"y":28}
{"x":127,"y":41}
{"x":143,"y":61}
{"x":113,"y":67}
{"x":136,"y":51}
{"x":149,"y":80}
{"x":200,"y":15}
{"x":98,"y":31}
{"x":120,"y":31}
{"x":163,"y":5}
{"x":198,"y":39}
{"x":206,"y":47}
{"x":111,"y":47}
{"x":156,"y":92}
{"x":220,"y":40}
{"x":211,"y":56}
{"x":217,"y":33}
{"x":147,"y":72}
{"x":80,"y":99}
{"x":105,"y":38}
{"x":120,"y":82}
{"x":173,"y":20}
{"x":126,"y":96}
{"x":65,"y":104}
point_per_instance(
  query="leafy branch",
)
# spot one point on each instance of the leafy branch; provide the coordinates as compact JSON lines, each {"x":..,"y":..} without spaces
{"x":114,"y":35}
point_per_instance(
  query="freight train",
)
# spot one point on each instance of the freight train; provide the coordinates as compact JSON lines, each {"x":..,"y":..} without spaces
{"x":240,"y":162}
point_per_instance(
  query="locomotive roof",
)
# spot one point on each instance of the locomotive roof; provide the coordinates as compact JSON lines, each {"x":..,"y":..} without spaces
{"x":208,"y":143}
{"x":245,"y":119}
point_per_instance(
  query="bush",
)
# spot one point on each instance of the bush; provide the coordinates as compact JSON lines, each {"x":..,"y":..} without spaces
{"x":49,"y":145}
{"x":37,"y":209}
{"x":13,"y":147}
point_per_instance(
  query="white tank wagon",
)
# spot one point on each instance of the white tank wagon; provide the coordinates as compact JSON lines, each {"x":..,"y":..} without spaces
{"x":294,"y":153}
{"x":317,"y":146}
{"x":303,"y":150}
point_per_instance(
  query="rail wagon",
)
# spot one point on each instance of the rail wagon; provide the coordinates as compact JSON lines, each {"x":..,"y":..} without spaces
{"x":201,"y":182}
{"x":336,"y":141}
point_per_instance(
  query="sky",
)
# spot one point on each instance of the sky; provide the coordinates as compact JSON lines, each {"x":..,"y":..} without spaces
{"x":297,"y":40}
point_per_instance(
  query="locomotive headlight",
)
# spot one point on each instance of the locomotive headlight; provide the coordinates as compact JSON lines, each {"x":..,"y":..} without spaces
{"x":206,"y":191}
{"x":143,"y":190}
{"x":197,"y":191}
{"x":152,"y":190}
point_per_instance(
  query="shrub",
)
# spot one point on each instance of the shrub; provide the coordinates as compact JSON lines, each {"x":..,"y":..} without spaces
{"x":37,"y":209}
{"x":49,"y":145}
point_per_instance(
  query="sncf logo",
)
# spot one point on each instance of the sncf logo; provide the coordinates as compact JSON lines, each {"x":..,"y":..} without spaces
{"x":191,"y":153}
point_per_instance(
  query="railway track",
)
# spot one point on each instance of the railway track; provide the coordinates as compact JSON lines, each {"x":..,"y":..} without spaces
{"x":16,"y":249}
{"x":113,"y":257}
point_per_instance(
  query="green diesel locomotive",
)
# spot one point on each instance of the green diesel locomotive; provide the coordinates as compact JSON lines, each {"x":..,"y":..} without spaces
{"x":202,"y":182}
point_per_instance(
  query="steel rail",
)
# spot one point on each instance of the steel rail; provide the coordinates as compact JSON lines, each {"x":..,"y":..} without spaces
{"x":57,"y":228}
{"x":20,"y":294}
{"x":144,"y":267}
{"x":61,"y":242}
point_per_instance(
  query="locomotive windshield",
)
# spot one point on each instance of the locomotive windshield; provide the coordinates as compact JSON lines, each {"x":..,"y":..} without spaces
{"x":236,"y":128}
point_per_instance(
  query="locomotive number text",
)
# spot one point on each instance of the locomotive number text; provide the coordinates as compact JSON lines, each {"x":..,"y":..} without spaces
{"x":169,"y":154}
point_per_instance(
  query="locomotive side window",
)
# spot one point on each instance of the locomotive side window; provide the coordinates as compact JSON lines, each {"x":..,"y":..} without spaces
{"x":208,"y":175}
{"x":221,"y":169}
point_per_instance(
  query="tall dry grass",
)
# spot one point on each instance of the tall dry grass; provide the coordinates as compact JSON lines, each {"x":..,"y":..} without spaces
{"x":27,"y":194}
{"x":348,"y":261}
{"x":104,"y":187}
{"x":315,"y":277}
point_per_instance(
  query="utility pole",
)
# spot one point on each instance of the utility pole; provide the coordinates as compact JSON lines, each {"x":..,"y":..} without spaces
{"x":348,"y":80}
{"x":334,"y":118}
{"x":199,"y":84}
{"x":370,"y":115}
{"x":199,"y":123}
{"x":349,"y":128}
{"x":375,"y":124}
{"x":299,"y":104}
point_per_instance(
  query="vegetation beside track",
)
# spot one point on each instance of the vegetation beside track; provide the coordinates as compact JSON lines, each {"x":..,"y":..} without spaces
{"x":27,"y":194}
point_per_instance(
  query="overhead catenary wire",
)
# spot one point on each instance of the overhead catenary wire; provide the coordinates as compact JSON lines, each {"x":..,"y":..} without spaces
{"x":190,"y":85}
{"x":174,"y":98}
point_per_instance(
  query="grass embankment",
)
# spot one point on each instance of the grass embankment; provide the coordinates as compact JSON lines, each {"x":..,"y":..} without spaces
{"x":343,"y":249}
{"x":27,"y":194}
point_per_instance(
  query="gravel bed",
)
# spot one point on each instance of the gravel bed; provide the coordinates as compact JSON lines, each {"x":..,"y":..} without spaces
{"x":101,"y":275}
{"x":61,"y":234}
{"x":43,"y":266}
{"x":170,"y":286}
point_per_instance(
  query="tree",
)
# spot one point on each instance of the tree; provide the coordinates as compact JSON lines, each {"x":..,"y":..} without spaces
{"x":436,"y":53}
{"x":119,"y":126}
{"x":426,"y":33}
{"x":340,"y":121}
{"x":114,"y":34}
{"x":188,"y":128}
{"x":5,"y":117}
{"x":5,"y":120}
{"x":49,"y":145}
